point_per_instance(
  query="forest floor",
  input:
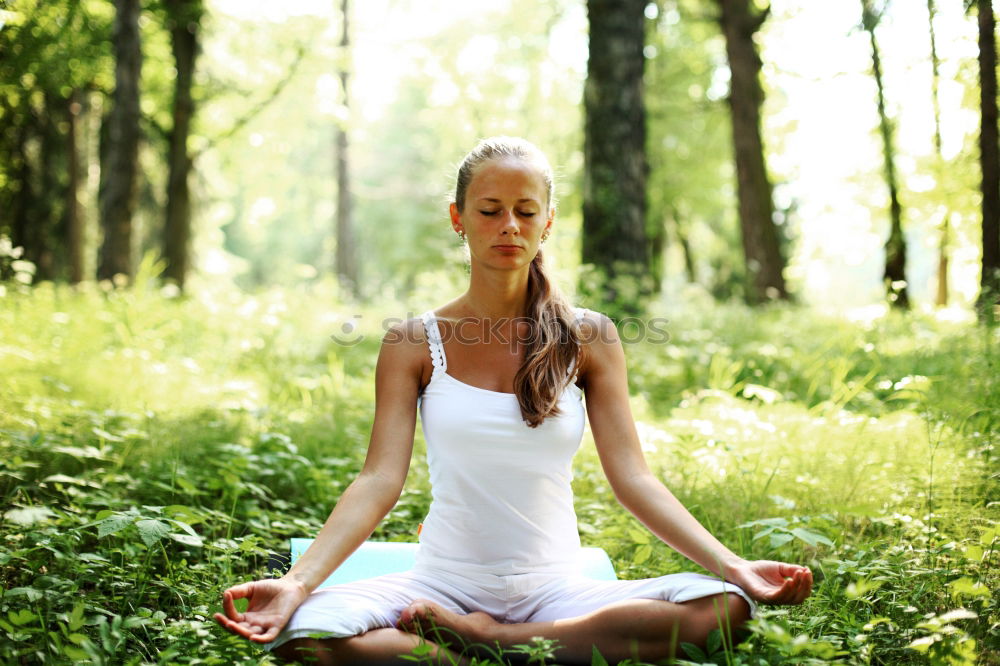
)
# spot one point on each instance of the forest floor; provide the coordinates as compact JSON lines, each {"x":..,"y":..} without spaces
{"x":156,"y":450}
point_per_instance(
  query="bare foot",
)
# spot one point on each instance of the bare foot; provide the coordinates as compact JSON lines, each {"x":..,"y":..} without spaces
{"x":429,"y":619}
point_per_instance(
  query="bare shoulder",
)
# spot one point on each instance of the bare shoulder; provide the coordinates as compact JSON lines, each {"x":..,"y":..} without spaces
{"x":599,"y":341}
{"x":404,"y":349}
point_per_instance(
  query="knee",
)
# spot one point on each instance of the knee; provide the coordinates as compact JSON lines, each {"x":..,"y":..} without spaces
{"x":729,"y":612}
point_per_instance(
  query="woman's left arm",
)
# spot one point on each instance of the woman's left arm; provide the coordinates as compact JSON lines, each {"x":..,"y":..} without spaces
{"x":605,"y":381}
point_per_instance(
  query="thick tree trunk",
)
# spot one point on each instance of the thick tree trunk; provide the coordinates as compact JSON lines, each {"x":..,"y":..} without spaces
{"x":615,"y":240}
{"x":346,"y":258}
{"x":989,"y":156}
{"x":74,"y":216}
{"x":185,"y":18}
{"x":119,"y":166}
{"x":46,"y":236}
{"x":764,"y":262}
{"x":894,"y":275}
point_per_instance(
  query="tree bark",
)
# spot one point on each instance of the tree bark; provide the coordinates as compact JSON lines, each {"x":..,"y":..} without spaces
{"x":941,"y":298}
{"x":346,"y":257}
{"x":894,"y":275}
{"x":989,"y":156}
{"x":764,"y":262}
{"x":615,"y":240}
{"x":119,"y":167}
{"x":74,"y":215}
{"x":185,"y":19}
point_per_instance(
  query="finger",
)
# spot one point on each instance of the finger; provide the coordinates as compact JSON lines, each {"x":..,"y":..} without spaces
{"x":231,"y":626}
{"x":229,"y":606}
{"x":807,"y":584}
{"x":267,"y":636}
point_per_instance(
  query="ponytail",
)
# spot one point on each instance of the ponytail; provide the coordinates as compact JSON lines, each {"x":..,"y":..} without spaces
{"x":553,"y":346}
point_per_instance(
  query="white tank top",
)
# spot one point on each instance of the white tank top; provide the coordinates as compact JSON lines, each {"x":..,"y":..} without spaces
{"x":501,"y":496}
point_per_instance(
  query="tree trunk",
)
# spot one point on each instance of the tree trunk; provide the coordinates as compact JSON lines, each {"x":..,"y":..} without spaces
{"x":941,"y":299}
{"x":119,"y":166}
{"x":764,"y":262}
{"x":74,"y":217}
{"x":47,"y":212}
{"x":346,"y":259}
{"x":894,"y":275}
{"x":185,"y":18}
{"x":989,"y":156}
{"x":682,"y":239}
{"x":615,"y":239}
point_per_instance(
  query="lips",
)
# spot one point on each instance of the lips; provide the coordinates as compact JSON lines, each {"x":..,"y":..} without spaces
{"x":508,"y":247}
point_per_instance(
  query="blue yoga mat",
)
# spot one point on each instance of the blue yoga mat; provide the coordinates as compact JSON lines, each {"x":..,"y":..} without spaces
{"x":375,"y":558}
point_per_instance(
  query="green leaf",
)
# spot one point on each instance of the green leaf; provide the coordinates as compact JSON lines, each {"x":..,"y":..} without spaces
{"x":694,"y":652}
{"x":29,"y":593}
{"x":184,"y":514}
{"x":114,"y":524}
{"x":965,"y":586}
{"x":104,"y":434}
{"x":29,"y":515}
{"x":714,"y":641}
{"x":958,"y":614}
{"x":638,"y":536}
{"x":642,"y":554}
{"x":187,"y":539}
{"x":152,"y":530}
{"x":922,"y":644}
{"x":780,"y":539}
{"x":811,"y":538}
{"x":21,"y":617}
{"x":973,"y":553}
{"x":77,"y":639}
{"x":596,"y":658}
{"x":76,"y":618}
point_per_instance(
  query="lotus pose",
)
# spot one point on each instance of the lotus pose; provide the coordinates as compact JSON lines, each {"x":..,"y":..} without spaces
{"x":500,"y":376}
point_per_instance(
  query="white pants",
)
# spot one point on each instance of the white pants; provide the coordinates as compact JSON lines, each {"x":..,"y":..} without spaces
{"x":353,"y":608}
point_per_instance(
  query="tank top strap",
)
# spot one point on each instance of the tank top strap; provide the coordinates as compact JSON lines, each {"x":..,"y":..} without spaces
{"x":434,"y":341}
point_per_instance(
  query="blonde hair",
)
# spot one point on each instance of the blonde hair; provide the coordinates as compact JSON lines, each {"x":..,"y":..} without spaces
{"x":553,"y":342}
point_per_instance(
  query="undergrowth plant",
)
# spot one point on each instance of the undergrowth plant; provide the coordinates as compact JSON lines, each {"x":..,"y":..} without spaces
{"x":155,"y":449}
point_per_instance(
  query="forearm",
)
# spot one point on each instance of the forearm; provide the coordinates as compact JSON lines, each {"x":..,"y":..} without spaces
{"x":358,"y":511}
{"x":657,"y":508}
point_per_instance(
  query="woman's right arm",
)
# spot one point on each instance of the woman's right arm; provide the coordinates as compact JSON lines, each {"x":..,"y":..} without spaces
{"x":360,"y":508}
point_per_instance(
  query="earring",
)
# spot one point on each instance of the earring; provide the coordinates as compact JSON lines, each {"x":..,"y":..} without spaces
{"x":545,"y":235}
{"x":461,"y":235}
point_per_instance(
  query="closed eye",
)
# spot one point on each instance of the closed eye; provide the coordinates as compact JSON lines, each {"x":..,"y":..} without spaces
{"x":489,"y":212}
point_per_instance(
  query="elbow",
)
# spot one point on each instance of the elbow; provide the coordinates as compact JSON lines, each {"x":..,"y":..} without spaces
{"x":382,"y":490}
{"x":634,"y":491}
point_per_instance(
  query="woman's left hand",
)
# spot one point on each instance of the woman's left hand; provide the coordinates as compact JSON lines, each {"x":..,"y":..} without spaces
{"x":772,"y":582}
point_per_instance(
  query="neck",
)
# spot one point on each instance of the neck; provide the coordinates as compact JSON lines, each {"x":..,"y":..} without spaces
{"x":497,"y":294}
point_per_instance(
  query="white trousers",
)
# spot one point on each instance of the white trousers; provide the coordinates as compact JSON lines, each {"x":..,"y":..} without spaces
{"x":353,"y":608}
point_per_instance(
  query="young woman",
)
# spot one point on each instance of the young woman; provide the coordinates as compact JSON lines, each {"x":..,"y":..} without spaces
{"x":497,"y":375}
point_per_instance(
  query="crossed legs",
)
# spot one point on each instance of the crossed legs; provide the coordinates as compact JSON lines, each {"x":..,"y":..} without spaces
{"x":647,"y":629}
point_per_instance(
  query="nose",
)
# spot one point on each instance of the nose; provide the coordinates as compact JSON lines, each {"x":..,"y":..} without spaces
{"x":509,"y":223}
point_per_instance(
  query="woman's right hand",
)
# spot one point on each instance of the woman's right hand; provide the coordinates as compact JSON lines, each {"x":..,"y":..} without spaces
{"x":271,"y":604}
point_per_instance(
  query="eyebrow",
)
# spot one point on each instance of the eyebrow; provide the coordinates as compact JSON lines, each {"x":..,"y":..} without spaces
{"x":491,"y":200}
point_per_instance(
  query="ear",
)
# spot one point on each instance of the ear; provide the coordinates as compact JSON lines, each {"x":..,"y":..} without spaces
{"x":548,"y":222}
{"x":456,"y":217}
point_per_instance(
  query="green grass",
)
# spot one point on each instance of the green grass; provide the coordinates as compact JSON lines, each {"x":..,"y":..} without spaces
{"x":155,"y":450}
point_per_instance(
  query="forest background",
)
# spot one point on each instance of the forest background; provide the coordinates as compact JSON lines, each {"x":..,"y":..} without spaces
{"x":209,"y":210}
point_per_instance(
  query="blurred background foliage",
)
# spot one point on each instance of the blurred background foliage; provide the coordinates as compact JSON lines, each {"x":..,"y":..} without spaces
{"x":427,"y":80}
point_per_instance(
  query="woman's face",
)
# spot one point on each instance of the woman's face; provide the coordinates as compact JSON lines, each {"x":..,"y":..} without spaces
{"x":506,"y":211}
